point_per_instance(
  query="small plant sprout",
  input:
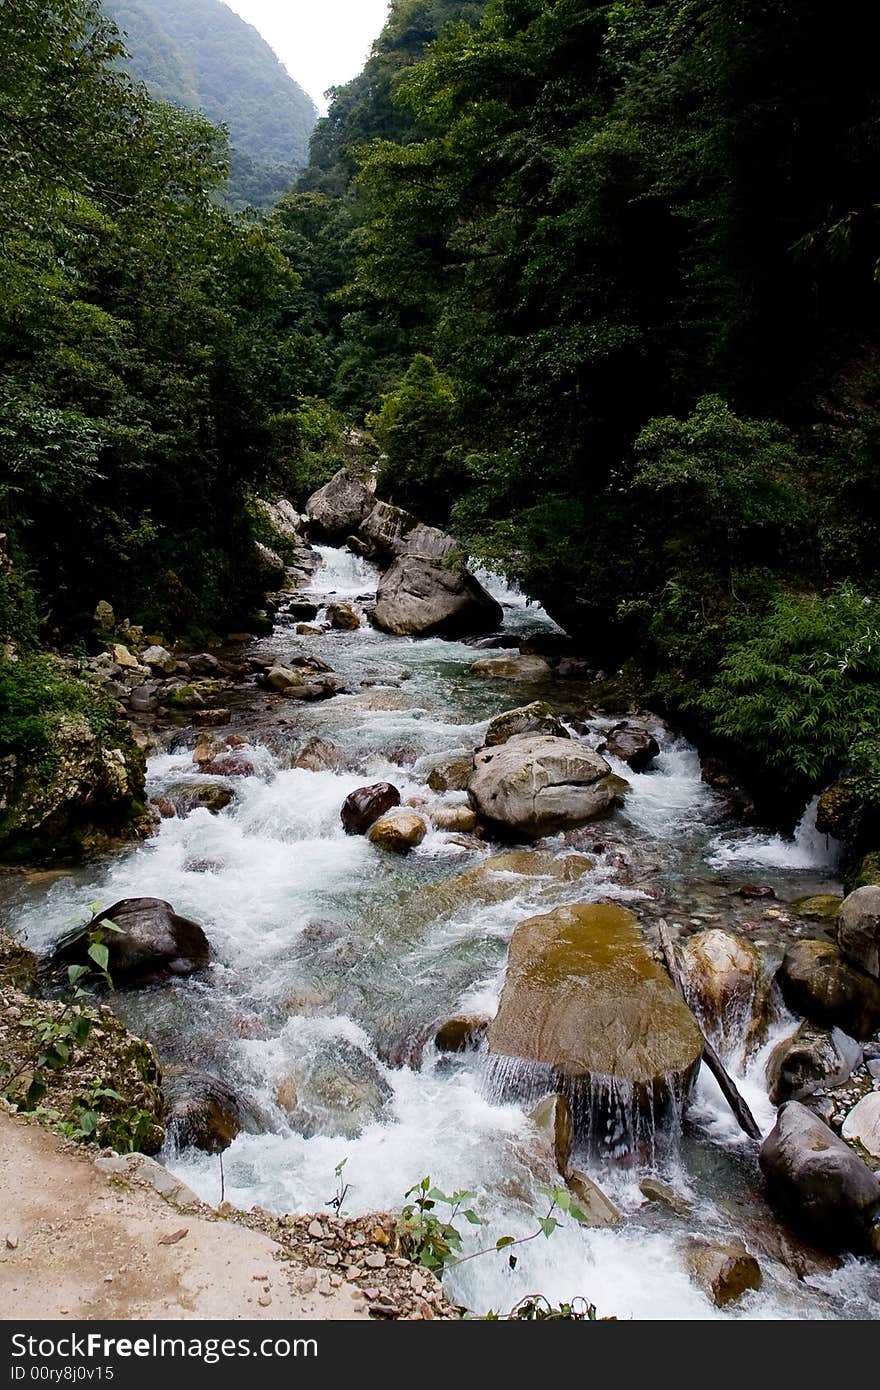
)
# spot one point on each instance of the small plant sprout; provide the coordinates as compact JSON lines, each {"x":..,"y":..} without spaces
{"x":342,"y":1188}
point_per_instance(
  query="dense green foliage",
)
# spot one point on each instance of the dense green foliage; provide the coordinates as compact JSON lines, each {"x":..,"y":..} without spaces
{"x":147,"y":364}
{"x":638,"y":245}
{"x":201,"y":55}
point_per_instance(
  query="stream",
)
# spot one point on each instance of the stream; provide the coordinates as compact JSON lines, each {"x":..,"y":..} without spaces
{"x":333,"y":957}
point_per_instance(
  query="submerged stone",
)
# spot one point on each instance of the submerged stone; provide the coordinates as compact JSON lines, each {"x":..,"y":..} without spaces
{"x":587,"y":1008}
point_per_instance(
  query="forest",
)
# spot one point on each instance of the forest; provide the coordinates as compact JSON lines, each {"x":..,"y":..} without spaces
{"x":599,"y":281}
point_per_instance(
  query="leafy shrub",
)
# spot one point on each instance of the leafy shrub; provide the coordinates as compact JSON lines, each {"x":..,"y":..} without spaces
{"x":801,"y":691}
{"x":412,"y":428}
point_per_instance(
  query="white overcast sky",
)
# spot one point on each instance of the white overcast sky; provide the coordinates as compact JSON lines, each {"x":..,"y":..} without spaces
{"x":322,"y":43}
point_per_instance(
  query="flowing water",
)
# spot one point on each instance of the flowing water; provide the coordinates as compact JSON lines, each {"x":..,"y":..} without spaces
{"x":333,"y":959}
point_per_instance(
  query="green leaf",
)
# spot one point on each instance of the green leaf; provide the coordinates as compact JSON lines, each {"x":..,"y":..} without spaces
{"x":548,"y":1225}
{"x":504,"y":1241}
{"x":472,"y":1217}
{"x":76,"y":972}
{"x":99,"y":954}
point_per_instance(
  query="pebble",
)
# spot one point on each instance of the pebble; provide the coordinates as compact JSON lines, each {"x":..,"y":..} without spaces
{"x":265,"y":1300}
{"x":316,"y":1230}
{"x":336,"y":1280}
{"x":12,"y":1242}
{"x":331,"y":1259}
{"x":375,"y":1260}
{"x":358,"y":1239}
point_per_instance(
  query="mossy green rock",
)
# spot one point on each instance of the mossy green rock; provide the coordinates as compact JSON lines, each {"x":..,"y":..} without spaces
{"x":866,"y":873}
{"x":821,"y":907}
{"x":85,"y":784}
{"x":584,"y":996}
{"x":536,"y":718}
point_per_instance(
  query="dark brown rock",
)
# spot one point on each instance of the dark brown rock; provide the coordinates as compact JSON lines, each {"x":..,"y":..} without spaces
{"x":364,"y":806}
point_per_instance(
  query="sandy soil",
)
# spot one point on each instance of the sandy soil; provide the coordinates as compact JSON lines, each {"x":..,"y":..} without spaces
{"x":81,"y":1243}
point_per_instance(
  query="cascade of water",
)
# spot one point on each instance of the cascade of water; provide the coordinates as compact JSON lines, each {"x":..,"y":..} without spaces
{"x":808,"y":848}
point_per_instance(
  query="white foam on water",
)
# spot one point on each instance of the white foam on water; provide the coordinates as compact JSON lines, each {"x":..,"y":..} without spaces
{"x":342,"y":572}
{"x":806,"y":849}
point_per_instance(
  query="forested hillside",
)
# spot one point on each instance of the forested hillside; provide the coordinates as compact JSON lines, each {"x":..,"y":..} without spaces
{"x":614,"y":269}
{"x":201,"y":55}
{"x":600,"y":281}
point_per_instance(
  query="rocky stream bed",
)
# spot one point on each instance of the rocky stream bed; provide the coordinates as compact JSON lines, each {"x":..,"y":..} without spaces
{"x":310,"y":1037}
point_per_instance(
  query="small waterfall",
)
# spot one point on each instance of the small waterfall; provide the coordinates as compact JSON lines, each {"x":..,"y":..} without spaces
{"x":613,"y":1118}
{"x":808,"y":848}
{"x":343,"y":573}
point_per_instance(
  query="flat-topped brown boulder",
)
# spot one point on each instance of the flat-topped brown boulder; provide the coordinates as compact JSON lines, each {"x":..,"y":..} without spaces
{"x":585,"y":1001}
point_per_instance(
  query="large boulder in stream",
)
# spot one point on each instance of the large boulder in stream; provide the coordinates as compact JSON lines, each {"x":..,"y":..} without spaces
{"x":420,"y":597}
{"x":146,"y":941}
{"x":810,"y":1058}
{"x":634,"y":745}
{"x":586,"y":1010}
{"x":338,"y":508}
{"x":203,"y":1111}
{"x":725,"y":985}
{"x":819,"y":983}
{"x":389,"y":531}
{"x":820,"y":1184}
{"x":858,"y":929}
{"x":535,"y":785}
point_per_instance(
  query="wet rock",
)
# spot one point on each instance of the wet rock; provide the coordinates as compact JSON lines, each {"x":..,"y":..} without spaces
{"x":144,"y":699}
{"x":862,"y":1124}
{"x":280,"y":678}
{"x":552,"y":1119}
{"x":725,"y":1272}
{"x":207,"y":749}
{"x":233,"y":764}
{"x":451,"y":772}
{"x":726,"y":987}
{"x":319,"y":755}
{"x":301,"y":611}
{"x":204,"y":664}
{"x":462,"y":1033}
{"x":389,"y":531}
{"x":819,"y":983}
{"x":212,"y":796}
{"x":338,"y":508}
{"x":536,"y":718}
{"x":664,"y":1195}
{"x":858,"y":929}
{"x":363,"y":807}
{"x":340,"y":1090}
{"x":498,"y":878}
{"x":203,"y":1111}
{"x":151,"y":942}
{"x":513,"y":668}
{"x":91,"y":787}
{"x":752,"y":890}
{"x":535,"y":785}
{"x":317,"y":688}
{"x":811,"y":1058}
{"x":269,"y":566}
{"x":398,"y":830}
{"x":210,"y":718}
{"x":457,"y":819}
{"x":820,"y":1184}
{"x":342,"y":617}
{"x":165,"y":806}
{"x":596,"y":1207}
{"x":584,"y":1000}
{"x":418,"y":597}
{"x":819,"y":907}
{"x":633,"y":745}
{"x":159,"y":659}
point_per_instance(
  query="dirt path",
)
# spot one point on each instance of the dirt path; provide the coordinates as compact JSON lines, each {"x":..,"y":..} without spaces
{"x":79,"y":1242}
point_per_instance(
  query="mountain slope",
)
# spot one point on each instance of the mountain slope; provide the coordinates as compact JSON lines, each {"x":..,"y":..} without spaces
{"x":200,"y":54}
